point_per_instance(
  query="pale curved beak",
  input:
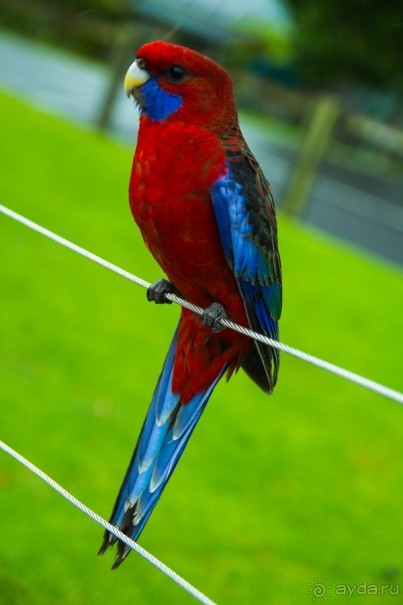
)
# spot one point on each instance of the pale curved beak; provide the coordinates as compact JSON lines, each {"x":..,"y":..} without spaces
{"x":134,"y":78}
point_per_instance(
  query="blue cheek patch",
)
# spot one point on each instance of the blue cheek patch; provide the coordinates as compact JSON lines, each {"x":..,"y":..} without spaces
{"x":158,"y":103}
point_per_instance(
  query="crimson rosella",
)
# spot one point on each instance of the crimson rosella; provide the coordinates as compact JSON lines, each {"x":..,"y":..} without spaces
{"x":206,"y":212}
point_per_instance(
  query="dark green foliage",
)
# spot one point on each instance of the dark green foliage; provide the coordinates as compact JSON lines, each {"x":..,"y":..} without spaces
{"x":349,"y":40}
{"x":88,"y":27}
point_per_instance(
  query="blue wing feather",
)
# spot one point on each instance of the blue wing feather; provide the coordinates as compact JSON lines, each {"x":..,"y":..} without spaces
{"x":249,"y":239}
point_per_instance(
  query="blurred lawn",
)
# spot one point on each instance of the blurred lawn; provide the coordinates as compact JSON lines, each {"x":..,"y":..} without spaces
{"x":271,"y":492}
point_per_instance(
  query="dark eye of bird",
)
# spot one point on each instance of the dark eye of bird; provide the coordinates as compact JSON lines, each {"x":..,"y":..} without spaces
{"x":141,"y":64}
{"x":176,"y":73}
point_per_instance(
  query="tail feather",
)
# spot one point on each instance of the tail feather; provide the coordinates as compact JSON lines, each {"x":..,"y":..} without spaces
{"x":164,"y":435}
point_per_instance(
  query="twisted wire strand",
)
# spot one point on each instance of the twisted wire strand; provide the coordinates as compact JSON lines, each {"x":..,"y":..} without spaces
{"x":175,"y":577}
{"x":362,"y":381}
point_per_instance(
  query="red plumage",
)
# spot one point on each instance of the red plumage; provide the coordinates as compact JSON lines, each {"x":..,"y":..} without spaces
{"x":175,"y":165}
{"x":174,"y":169}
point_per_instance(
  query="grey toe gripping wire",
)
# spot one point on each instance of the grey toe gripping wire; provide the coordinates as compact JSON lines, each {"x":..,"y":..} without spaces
{"x":366,"y":383}
{"x":111,"y":528}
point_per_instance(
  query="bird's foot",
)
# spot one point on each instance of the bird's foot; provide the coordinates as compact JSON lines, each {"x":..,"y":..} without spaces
{"x":156,"y":292}
{"x":212,"y":317}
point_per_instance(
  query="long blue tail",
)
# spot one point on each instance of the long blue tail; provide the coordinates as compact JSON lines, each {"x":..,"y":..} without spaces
{"x":166,"y":430}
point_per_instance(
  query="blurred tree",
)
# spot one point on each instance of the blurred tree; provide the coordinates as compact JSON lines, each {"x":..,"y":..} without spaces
{"x":88,"y":27}
{"x":349,"y":40}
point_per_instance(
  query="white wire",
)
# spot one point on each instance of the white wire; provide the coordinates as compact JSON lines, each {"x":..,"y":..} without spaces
{"x":371,"y":385}
{"x":111,"y":528}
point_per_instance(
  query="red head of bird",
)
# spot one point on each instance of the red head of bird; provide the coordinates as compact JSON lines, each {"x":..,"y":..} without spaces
{"x":175,"y":83}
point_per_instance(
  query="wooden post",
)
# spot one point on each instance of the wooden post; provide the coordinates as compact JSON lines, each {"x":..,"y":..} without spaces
{"x":311,"y":153}
{"x":124,"y":53}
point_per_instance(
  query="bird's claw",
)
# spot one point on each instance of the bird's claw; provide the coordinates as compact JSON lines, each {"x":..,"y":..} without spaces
{"x":212,"y":317}
{"x":157,"y":291}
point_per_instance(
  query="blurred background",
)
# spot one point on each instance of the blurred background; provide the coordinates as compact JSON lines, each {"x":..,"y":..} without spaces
{"x":273,"y":495}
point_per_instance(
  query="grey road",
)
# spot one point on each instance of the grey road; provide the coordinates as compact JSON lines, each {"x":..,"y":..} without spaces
{"x":363,"y":210}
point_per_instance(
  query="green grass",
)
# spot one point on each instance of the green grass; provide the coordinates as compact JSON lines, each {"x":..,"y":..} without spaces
{"x":271,"y":492}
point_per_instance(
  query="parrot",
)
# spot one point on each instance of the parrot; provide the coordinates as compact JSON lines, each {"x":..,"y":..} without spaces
{"x":207,"y":215}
